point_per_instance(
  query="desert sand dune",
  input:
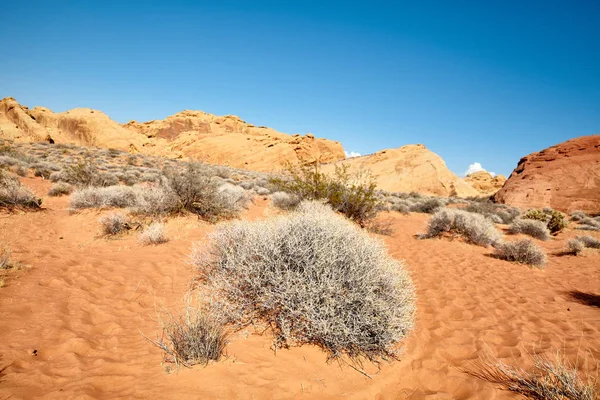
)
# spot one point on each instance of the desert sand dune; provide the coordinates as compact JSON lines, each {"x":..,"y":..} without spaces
{"x":85,"y":301}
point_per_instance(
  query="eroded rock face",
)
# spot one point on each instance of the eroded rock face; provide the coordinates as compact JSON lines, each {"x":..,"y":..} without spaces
{"x":409,"y":168}
{"x":195,"y":134}
{"x":565,"y":177}
{"x":485,"y":183}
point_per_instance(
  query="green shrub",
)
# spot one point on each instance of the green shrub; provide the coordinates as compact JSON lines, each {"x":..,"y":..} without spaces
{"x":555,"y":221}
{"x":314,"y":278}
{"x":352,"y":195}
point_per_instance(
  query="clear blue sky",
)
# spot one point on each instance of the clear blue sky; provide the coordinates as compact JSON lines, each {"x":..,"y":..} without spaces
{"x":475,"y":81}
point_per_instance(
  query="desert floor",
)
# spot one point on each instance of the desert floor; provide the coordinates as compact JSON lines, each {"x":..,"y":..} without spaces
{"x":84,"y":301}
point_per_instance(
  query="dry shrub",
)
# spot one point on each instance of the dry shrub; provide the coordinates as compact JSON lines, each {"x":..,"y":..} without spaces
{"x":194,"y":338}
{"x":589,"y":224}
{"x":589,"y":241}
{"x":14,"y":195}
{"x":486,"y":208}
{"x":153,"y":234}
{"x":197,"y":192}
{"x":427,"y":206}
{"x":114,"y":223}
{"x":521,"y":251}
{"x":475,"y":228}
{"x":575,"y":246}
{"x":578,"y":215}
{"x":312,"y":277}
{"x":550,"y":379}
{"x":59,"y":189}
{"x":285,"y":201}
{"x":533,"y":228}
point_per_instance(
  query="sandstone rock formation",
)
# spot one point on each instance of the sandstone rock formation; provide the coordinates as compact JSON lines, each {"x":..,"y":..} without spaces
{"x":485,"y":183}
{"x":408,"y":168}
{"x":565,"y":177}
{"x":194,"y":134}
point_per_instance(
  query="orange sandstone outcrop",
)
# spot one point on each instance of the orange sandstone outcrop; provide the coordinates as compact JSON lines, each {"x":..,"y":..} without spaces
{"x":485,"y":183}
{"x":196,"y":135}
{"x":408,"y":168}
{"x":565,"y":177}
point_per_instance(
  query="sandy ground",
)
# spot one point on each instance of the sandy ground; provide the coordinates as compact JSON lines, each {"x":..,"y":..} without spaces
{"x":84,"y":302}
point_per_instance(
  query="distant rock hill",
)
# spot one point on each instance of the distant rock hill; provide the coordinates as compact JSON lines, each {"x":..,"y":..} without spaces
{"x":409,"y":168}
{"x":565,"y":177}
{"x":228,"y":140}
{"x":485,"y":183}
{"x":219,"y":140}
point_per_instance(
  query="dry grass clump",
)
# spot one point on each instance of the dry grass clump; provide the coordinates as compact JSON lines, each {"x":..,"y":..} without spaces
{"x":285,"y":201}
{"x":575,"y":246}
{"x":105,"y":197}
{"x":6,"y":261}
{"x":194,"y":338}
{"x":154,"y":234}
{"x":14,"y":195}
{"x":312,"y":277}
{"x":533,"y":228}
{"x":578,"y":215}
{"x":589,"y":242}
{"x":59,"y":189}
{"x":475,"y":228}
{"x":550,"y":379}
{"x":114,"y":223}
{"x":521,"y":251}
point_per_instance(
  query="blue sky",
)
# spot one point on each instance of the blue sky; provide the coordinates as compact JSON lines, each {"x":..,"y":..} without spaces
{"x":475,"y":81}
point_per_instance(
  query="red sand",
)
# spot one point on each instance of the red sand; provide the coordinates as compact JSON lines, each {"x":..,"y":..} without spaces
{"x":84,"y":302}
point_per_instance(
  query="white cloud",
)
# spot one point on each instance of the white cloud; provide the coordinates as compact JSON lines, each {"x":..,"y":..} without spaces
{"x":351,"y":154}
{"x":476,"y":167}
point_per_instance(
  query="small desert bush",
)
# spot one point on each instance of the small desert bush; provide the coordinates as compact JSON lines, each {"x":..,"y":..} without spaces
{"x":555,"y":221}
{"x":353,"y":195}
{"x":13,"y":194}
{"x":153,"y":234}
{"x":427,"y":206}
{"x":313,"y":277}
{"x":285,"y":201}
{"x":197,"y":192}
{"x":533,"y":228}
{"x":575,"y":246}
{"x":6,"y":261}
{"x":194,"y":338}
{"x":521,"y":251}
{"x":87,"y":174}
{"x":589,"y":224}
{"x":232,"y":197}
{"x":59,"y":189}
{"x":493,"y":211}
{"x":114,"y":223}
{"x":475,"y":228}
{"x":578,"y":215}
{"x":589,"y":241}
{"x":105,"y":197}
{"x":550,"y":379}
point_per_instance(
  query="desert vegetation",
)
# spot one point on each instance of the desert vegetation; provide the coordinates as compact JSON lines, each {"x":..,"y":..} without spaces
{"x":155,"y":233}
{"x":555,"y":221}
{"x":472,"y":227}
{"x":521,"y":251}
{"x":534,"y":228}
{"x":551,"y":378}
{"x":14,"y":195}
{"x":312,"y":277}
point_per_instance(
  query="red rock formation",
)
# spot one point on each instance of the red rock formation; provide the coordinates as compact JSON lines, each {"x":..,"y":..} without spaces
{"x":565,"y":177}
